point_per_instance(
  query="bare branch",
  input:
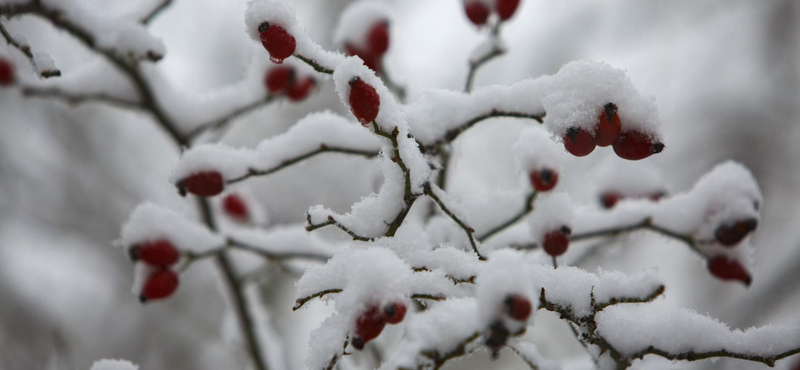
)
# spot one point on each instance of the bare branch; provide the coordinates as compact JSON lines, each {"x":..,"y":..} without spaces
{"x":467,"y":229}
{"x":156,"y":11}
{"x":514,"y":219}
{"x":452,"y":134}
{"x":494,"y":52}
{"x":646,"y":224}
{"x":223,"y":122}
{"x":317,"y":67}
{"x":332,"y":221}
{"x":78,"y":99}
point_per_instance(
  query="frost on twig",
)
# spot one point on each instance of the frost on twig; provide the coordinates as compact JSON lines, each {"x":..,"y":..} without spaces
{"x":42,"y":63}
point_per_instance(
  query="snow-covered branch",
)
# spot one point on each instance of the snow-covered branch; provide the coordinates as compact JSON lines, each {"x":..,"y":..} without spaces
{"x":42,"y":62}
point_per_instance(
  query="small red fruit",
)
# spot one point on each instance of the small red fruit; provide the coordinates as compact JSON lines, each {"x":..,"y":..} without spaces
{"x":6,"y":72}
{"x":378,"y":38}
{"x":394,"y":312}
{"x":727,"y":269}
{"x":634,"y":145}
{"x":732,"y":234}
{"x":557,"y":241}
{"x":544,"y":180}
{"x":159,"y":253}
{"x":279,"y":43}
{"x":278,"y":79}
{"x":160,"y":284}
{"x":235,"y":207}
{"x":299,"y":91}
{"x":371,"y":61}
{"x":364,"y":101}
{"x":477,"y":12}
{"x":368,"y":326}
{"x":655,"y":197}
{"x":518,"y":307}
{"x":608,"y":126}
{"x":610,"y":198}
{"x":202,"y":184}
{"x":579,"y":142}
{"x":506,"y":8}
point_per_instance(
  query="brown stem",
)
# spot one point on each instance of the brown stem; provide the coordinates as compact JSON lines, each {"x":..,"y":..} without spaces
{"x":292,"y":161}
{"x":514,"y":219}
{"x":467,"y":229}
{"x":453,"y":133}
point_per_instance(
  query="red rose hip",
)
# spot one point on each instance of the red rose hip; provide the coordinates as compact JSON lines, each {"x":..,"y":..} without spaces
{"x":544,"y":180}
{"x":159,"y":253}
{"x":727,"y":269}
{"x":235,"y":207}
{"x":635,"y":145}
{"x":518,"y":307}
{"x":477,"y":12}
{"x":506,"y":8}
{"x":279,"y":79}
{"x":364,"y":101}
{"x":6,"y":72}
{"x":202,"y":184}
{"x":368,"y":326}
{"x":160,"y":284}
{"x":579,"y":142}
{"x":608,"y":126}
{"x":732,"y":234}
{"x":279,"y":43}
{"x":378,"y":38}
{"x":394,"y":312}
{"x":300,"y":90}
{"x":556,"y":242}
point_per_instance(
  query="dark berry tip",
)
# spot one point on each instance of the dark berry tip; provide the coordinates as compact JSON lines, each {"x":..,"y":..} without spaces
{"x":354,"y":80}
{"x":358,"y":343}
{"x":566,"y":230}
{"x":658,"y":147}
{"x":747,"y":282}
{"x":181,"y":188}
{"x":133,"y":253}
{"x":390,"y":310}
{"x":547,"y":175}
{"x":142,"y":298}
{"x":610,"y":109}
{"x":263,"y":27}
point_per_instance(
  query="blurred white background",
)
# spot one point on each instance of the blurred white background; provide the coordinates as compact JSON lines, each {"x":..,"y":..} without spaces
{"x":725,"y":75}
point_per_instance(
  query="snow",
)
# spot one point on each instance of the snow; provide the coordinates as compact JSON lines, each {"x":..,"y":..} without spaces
{"x":113,"y":365}
{"x":536,"y":151}
{"x":550,"y":213}
{"x":683,"y":330}
{"x":503,"y":275}
{"x":629,"y":178}
{"x":43,"y":63}
{"x":150,"y":221}
{"x":531,"y":354}
{"x":356,"y":21}
{"x":278,"y":12}
{"x":577,"y":93}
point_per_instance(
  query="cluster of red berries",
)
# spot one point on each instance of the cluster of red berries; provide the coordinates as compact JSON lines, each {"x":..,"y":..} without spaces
{"x":370,"y":324}
{"x":544,"y":179}
{"x":478,"y":10}
{"x":6,"y":72}
{"x":730,"y":235}
{"x":556,"y":242}
{"x":364,"y":101}
{"x":202,"y":184}
{"x":162,"y":281}
{"x":283,"y":80}
{"x":609,"y":199}
{"x":279,"y":43}
{"x":376,"y":46}
{"x":631,"y":145}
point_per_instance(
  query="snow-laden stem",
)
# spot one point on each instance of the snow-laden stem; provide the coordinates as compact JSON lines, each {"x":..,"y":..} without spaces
{"x":452,"y":134}
{"x":25,"y":49}
{"x":294,"y":160}
{"x":78,"y":99}
{"x":460,"y":350}
{"x":317,"y":67}
{"x":467,"y":229}
{"x":232,"y":243}
{"x":514,"y":219}
{"x":332,"y":221}
{"x":646,"y":224}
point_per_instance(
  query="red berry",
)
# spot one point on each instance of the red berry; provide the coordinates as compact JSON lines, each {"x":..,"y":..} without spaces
{"x":378,"y":38}
{"x":579,"y":142}
{"x":394,"y":312}
{"x":368,"y":326}
{"x":299,"y":91}
{"x":506,"y":8}
{"x":608,"y":126}
{"x":159,"y":253}
{"x":610,"y":198}
{"x":477,"y":12}
{"x":202,"y":184}
{"x":160,"y":284}
{"x":518,"y":307}
{"x":557,"y":241}
{"x":544,"y":180}
{"x":6,"y":72}
{"x":655,"y":197}
{"x":727,"y":269}
{"x":235,"y":207}
{"x":278,"y":79}
{"x":634,"y":145}
{"x":371,"y":61}
{"x":732,"y":234}
{"x":364,"y":101}
{"x":279,"y":43}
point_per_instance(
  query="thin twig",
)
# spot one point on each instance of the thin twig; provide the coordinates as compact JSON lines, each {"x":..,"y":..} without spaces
{"x":294,"y":160}
{"x":495,"y":52}
{"x":223,"y":122}
{"x":156,"y":11}
{"x":453,"y":133}
{"x":25,"y":49}
{"x":317,"y":67}
{"x":646,"y":224}
{"x":77,"y":99}
{"x":332,"y":221}
{"x":467,"y":229}
{"x":514,"y":219}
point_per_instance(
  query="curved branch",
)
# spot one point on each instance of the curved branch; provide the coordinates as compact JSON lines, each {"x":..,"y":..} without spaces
{"x":301,"y":301}
{"x":317,"y":67}
{"x":513,"y":220}
{"x":156,"y":11}
{"x":646,"y":224}
{"x":332,"y":221}
{"x":496,"y":51}
{"x":222,"y":122}
{"x":291,"y":161}
{"x":467,"y":229}
{"x":453,"y":133}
